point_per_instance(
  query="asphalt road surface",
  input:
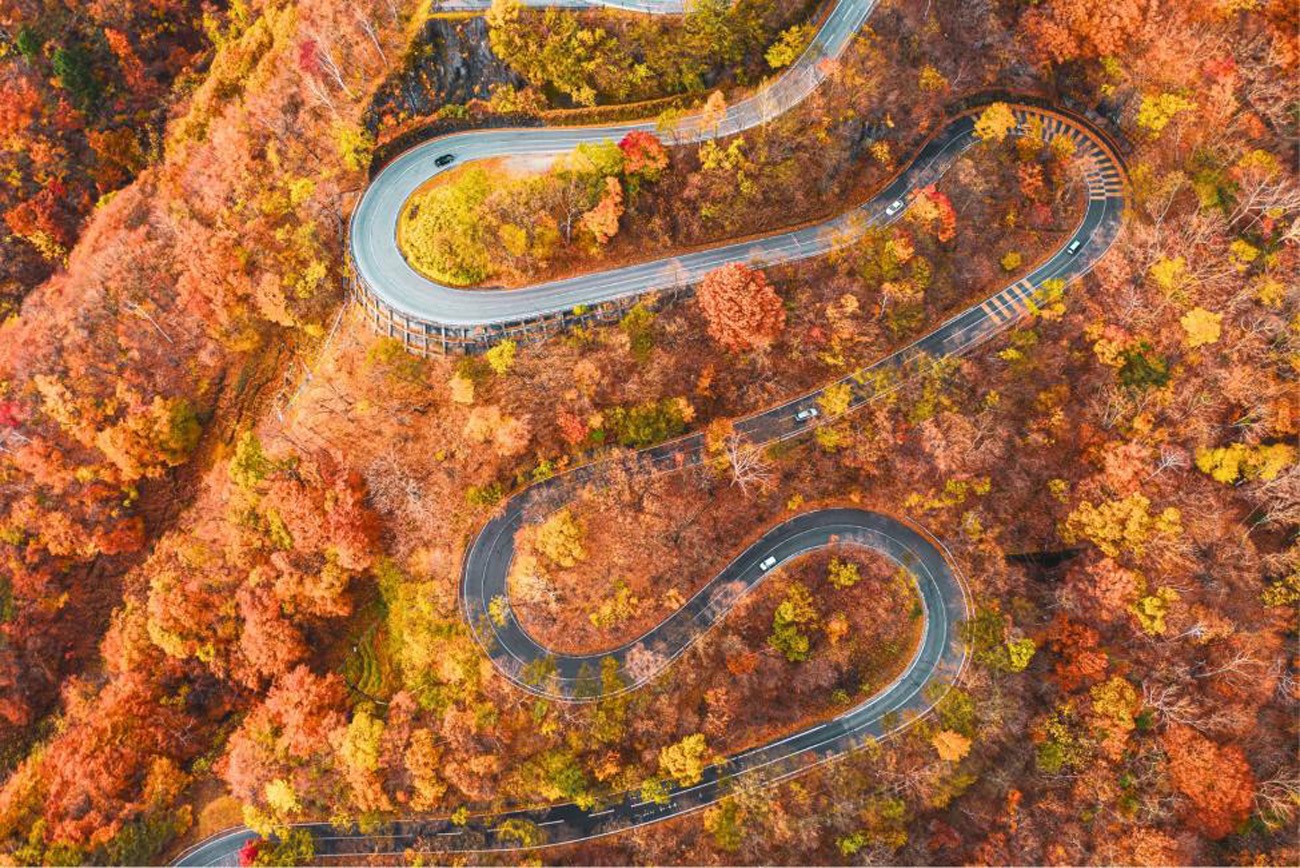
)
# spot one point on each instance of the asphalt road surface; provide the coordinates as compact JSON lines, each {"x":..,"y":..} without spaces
{"x":940,"y":657}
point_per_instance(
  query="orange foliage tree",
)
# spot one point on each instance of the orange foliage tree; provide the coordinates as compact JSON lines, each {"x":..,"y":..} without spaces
{"x":1216,"y":778}
{"x":742,"y":310}
{"x":293,"y":728}
{"x":1069,"y":29}
{"x":1081,"y":661}
{"x":602,"y":221}
{"x":19,"y":102}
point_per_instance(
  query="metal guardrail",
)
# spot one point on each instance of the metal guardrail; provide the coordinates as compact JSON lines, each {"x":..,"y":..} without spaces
{"x":428,"y":338}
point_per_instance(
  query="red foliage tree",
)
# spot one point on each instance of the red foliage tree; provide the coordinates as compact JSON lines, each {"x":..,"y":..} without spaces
{"x":248,"y":852}
{"x":270,"y":643}
{"x":125,"y":537}
{"x":47,"y":218}
{"x":572,"y":428}
{"x":602,"y":221}
{"x":307,"y":708}
{"x":128,"y":60}
{"x":644,"y":156}
{"x":933,"y":208}
{"x":11,"y":413}
{"x":353,"y":526}
{"x":117,"y":156}
{"x":1081,"y":662}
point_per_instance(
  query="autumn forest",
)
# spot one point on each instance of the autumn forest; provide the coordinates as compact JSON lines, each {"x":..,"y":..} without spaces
{"x":908,"y":472}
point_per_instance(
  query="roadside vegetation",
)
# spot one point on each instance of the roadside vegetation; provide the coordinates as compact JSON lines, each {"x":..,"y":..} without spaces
{"x":602,"y":57}
{"x":519,"y":64}
{"x":194,"y":569}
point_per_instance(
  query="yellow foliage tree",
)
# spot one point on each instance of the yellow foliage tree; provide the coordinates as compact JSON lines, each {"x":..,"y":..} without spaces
{"x":1157,"y":110}
{"x":282,"y":799}
{"x":995,"y":123}
{"x":146,"y":442}
{"x":686,"y":760}
{"x":932,"y":79}
{"x":952,"y":746}
{"x":560,"y":539}
{"x":1062,"y":146}
{"x":1169,"y":274}
{"x":1151,"y":610}
{"x":1242,"y":253}
{"x":789,"y":45}
{"x":835,"y":399}
{"x":501,"y":358}
{"x":1114,"y":703}
{"x":1228,"y":464}
{"x":423,"y":758}
{"x":509,"y":435}
{"x":355,"y":144}
{"x":715,"y":110}
{"x":1120,"y":525}
{"x":843,"y":574}
{"x":360,"y":745}
{"x":1270,"y":291}
{"x":1202,"y":327}
{"x":462,"y":389}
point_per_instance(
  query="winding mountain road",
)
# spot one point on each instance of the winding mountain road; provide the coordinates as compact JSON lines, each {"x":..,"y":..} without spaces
{"x":940,"y":657}
{"x":937,"y":662}
{"x":478,"y":317}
